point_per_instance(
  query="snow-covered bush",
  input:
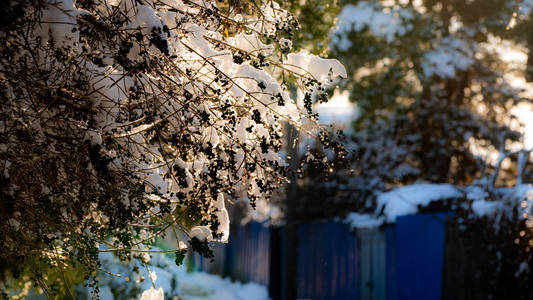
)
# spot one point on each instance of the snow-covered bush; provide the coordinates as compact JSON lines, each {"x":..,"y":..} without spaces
{"x":122,"y":119}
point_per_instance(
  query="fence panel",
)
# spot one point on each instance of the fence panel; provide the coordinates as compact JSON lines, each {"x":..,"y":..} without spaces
{"x":420,"y":252}
{"x":373,"y":263}
{"x":328,"y":266}
{"x":390,"y":233}
{"x":248,"y":253}
{"x":212,"y":266}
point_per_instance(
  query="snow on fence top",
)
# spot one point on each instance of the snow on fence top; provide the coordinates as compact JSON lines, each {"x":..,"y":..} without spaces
{"x":407,"y":200}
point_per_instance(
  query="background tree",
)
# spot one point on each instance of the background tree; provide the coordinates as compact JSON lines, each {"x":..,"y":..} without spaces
{"x":429,"y":84}
{"x":436,"y":90}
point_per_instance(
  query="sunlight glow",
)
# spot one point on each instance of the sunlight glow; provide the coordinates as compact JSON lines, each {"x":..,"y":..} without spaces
{"x":524,"y":113}
{"x":338,"y":111}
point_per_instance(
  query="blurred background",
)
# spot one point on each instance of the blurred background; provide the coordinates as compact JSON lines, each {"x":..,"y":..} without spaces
{"x":435,"y":202}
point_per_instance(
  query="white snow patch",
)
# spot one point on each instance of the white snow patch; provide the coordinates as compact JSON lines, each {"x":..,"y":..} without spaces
{"x":450,"y":55}
{"x":405,"y":200}
{"x":153,"y":294}
{"x":57,"y":20}
{"x":357,"y":220}
{"x":304,"y":63}
{"x":203,"y":233}
{"x":223,"y":218}
{"x":385,"y":24}
{"x":485,"y":208}
{"x":172,"y":281}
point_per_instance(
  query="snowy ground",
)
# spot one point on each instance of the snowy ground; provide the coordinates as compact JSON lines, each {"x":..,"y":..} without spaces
{"x":172,"y":281}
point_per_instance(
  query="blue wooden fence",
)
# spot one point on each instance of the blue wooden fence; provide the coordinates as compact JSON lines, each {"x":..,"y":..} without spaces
{"x":397,"y":262}
{"x":328,"y":266}
{"x":248,"y":253}
{"x":372,"y":252}
{"x":390,"y":267}
{"x":419,"y":256}
{"x":246,"y":257}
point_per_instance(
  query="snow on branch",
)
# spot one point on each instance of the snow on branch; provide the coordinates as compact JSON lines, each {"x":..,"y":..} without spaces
{"x":123,"y":119}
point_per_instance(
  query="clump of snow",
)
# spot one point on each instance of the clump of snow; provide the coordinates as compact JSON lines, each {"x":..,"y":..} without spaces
{"x":483,"y":208}
{"x":203,"y":233}
{"x":385,"y":24}
{"x":476,"y":192}
{"x":58,"y":22}
{"x":199,"y":285}
{"x":251,"y":43}
{"x":304,"y":63}
{"x":153,"y":294}
{"x":406,"y":200}
{"x":357,"y":220}
{"x":404,"y":169}
{"x":285,"y":44}
{"x":449,"y":55}
{"x":480,"y":206}
{"x":223,"y":218}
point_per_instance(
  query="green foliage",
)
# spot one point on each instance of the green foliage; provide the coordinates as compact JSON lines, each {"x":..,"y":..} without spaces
{"x":188,"y":217}
{"x":180,"y":256}
{"x":316,"y":19}
{"x":54,"y":278}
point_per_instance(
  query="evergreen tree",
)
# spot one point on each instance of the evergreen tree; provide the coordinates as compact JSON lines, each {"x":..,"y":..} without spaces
{"x":429,"y":85}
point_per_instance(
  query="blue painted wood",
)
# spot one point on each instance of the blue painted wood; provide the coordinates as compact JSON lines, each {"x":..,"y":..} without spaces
{"x":275,"y":287}
{"x":248,"y":253}
{"x":246,"y":256}
{"x":372,"y":263}
{"x":327,"y":262}
{"x":390,"y":234}
{"x":420,"y":251}
{"x":215,"y":266}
